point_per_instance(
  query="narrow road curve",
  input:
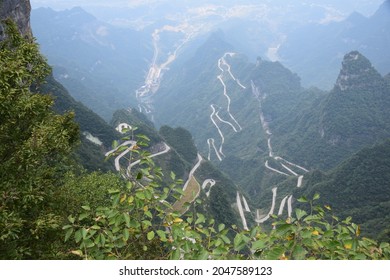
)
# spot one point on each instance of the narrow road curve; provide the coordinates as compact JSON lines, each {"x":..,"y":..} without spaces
{"x":275,"y":170}
{"x":289,"y":170}
{"x":210,"y":143}
{"x":210,"y":183}
{"x":166,"y":150}
{"x":223,"y":121}
{"x":241,"y":211}
{"x":299,"y":182}
{"x":116,"y":161}
{"x":191,"y":174}
{"x":280,"y":212}
{"x":289,"y":206}
{"x":246,"y":206}
{"x":229,"y":68}
{"x":224,"y":67}
{"x":220,"y":152}
{"x":286,"y":165}
{"x":222,"y":61}
{"x":130,"y":145}
{"x":259,"y":220}
{"x":206,"y":182}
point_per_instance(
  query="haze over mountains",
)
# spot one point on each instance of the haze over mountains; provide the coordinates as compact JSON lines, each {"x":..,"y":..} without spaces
{"x":237,"y":77}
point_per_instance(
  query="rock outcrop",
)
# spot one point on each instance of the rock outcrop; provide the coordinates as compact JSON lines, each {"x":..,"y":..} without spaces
{"x":19,"y":12}
{"x":357,"y":73}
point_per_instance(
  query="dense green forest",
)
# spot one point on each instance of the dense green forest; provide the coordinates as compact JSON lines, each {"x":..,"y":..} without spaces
{"x":362,"y":186}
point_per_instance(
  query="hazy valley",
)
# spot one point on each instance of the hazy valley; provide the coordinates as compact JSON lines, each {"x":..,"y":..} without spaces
{"x":249,"y":116}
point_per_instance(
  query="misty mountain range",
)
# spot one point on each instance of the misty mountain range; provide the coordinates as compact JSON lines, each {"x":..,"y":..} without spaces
{"x":277,"y":108}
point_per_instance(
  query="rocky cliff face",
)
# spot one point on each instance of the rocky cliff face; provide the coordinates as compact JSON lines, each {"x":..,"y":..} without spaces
{"x":18,"y":11}
{"x":357,"y":73}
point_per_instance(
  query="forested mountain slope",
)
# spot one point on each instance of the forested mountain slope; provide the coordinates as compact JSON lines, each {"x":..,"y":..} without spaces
{"x":95,"y":134}
{"x":353,"y":115}
{"x":358,"y":187}
{"x":100,"y":65}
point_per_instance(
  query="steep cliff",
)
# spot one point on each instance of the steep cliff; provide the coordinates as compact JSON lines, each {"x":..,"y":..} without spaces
{"x":18,"y":11}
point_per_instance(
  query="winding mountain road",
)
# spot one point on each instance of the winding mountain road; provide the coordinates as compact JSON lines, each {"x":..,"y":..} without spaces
{"x":261,"y":220}
{"x":224,"y":67}
{"x":241,"y":211}
{"x":210,"y":183}
{"x":191,"y":174}
{"x":164,"y":151}
{"x":117,"y":158}
{"x":287,"y":165}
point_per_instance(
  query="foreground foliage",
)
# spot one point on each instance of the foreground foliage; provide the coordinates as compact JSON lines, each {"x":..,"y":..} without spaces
{"x":140,"y":224}
{"x":34,"y":145}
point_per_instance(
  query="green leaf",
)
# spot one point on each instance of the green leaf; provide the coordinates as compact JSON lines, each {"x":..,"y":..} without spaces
{"x":221,"y":227}
{"x":162,"y":235}
{"x":204,"y":255}
{"x":149,"y":214}
{"x":83,"y":216}
{"x":253,"y":232}
{"x":129,"y":185}
{"x":201,"y":219}
{"x":68,"y":234}
{"x":84,"y":233}
{"x":95,"y":227}
{"x":316,"y":196}
{"x":299,"y":253}
{"x":275,"y":253}
{"x":126,"y":234}
{"x":302,"y":199}
{"x":140,"y":195}
{"x":113,"y":191}
{"x":97,"y":240}
{"x":102,"y":239}
{"x":86,"y":208}
{"x":127,"y":219}
{"x":150,"y":235}
{"x":71,"y":219}
{"x":66,"y":227}
{"x":176,"y":254}
{"x":300,"y":213}
{"x":77,"y":236}
{"x":283,"y":229}
{"x":258,"y":245}
{"x":237,"y":243}
{"x":89,"y":243}
{"x":225,"y":239}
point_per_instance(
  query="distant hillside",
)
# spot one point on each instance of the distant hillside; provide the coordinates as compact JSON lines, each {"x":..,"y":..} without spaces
{"x":202,"y":94}
{"x":353,"y":115}
{"x":92,"y":127}
{"x":358,"y":187}
{"x":99,"y":64}
{"x":315,"y":51}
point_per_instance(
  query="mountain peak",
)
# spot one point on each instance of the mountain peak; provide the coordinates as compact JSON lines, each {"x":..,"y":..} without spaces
{"x":356,"y":18}
{"x":356,"y":72}
{"x":383,"y":12}
{"x":384,"y":8}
